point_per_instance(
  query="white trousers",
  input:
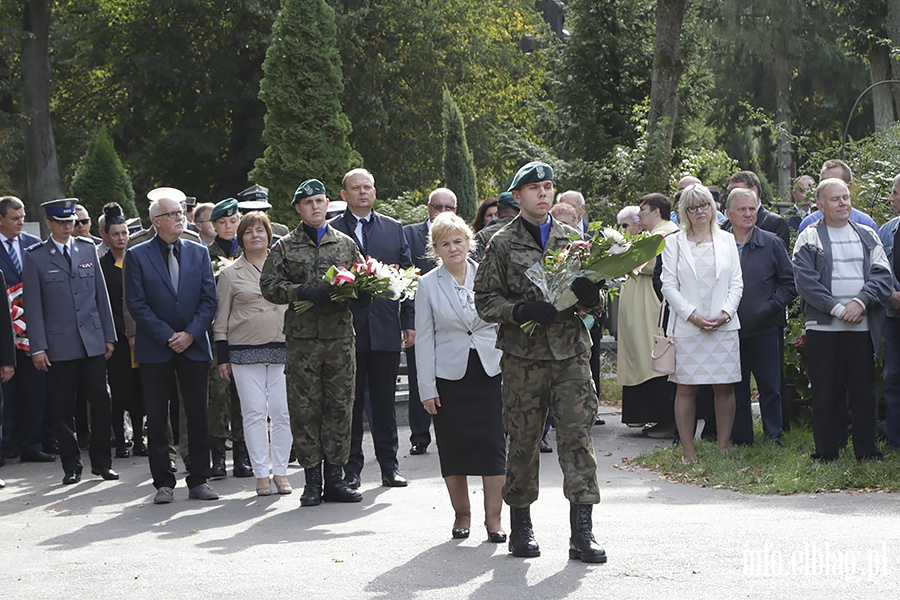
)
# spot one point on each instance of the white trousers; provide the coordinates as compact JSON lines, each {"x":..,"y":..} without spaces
{"x":263,"y":393}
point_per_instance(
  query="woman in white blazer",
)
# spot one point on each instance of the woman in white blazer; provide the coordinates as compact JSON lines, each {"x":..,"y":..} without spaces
{"x":459,"y":376}
{"x":702,"y":282}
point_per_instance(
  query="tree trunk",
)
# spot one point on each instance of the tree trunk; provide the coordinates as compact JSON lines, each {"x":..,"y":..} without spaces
{"x":667,"y":70}
{"x":44,"y":181}
{"x":893,"y":27}
{"x":882,"y":99}
{"x":783,"y":118}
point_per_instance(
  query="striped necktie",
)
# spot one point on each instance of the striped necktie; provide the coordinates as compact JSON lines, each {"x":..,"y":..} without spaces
{"x":14,"y":257}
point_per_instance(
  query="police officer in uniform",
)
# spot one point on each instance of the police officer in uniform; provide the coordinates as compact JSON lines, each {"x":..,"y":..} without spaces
{"x":256,"y":197}
{"x":321,"y":344}
{"x":70,"y":327}
{"x":549,"y":369}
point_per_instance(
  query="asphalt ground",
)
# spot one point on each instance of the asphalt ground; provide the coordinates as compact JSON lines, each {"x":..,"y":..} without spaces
{"x":100,"y":539}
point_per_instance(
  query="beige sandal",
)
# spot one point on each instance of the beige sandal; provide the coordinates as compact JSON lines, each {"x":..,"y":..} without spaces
{"x":263,"y":487}
{"x":283,"y":485}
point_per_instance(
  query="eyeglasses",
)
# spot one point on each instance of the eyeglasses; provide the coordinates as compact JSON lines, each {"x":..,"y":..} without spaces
{"x":83,"y":221}
{"x":694,"y":208}
{"x":443,"y":208}
{"x":175,"y":214}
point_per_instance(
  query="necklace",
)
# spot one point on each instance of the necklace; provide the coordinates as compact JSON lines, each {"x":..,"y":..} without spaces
{"x":701,"y":242}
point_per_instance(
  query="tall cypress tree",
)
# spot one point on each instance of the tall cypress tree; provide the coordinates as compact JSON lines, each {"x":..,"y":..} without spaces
{"x":101,"y":178}
{"x":459,"y":168}
{"x":306,"y":131}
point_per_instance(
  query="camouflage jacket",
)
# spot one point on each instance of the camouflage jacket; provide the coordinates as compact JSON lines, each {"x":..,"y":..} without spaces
{"x":216,"y":252}
{"x":481,"y":239}
{"x":501,"y":283}
{"x":296,"y":260}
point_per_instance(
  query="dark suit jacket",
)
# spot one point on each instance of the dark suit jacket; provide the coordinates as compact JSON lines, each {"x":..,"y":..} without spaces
{"x":159,"y":311}
{"x":417,"y":238}
{"x":66,"y":307}
{"x":9,"y":271}
{"x":379,"y":324}
{"x":768,"y":272}
{"x":115,"y":287}
{"x":7,"y":339}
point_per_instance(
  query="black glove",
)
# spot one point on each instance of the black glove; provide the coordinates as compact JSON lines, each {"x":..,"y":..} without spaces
{"x":319,"y":297}
{"x":542,"y":312}
{"x":587,"y":292}
{"x":363,"y":299}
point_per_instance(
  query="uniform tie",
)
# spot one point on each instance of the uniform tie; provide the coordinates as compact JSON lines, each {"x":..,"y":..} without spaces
{"x":173,"y":267}
{"x":14,"y":256}
{"x":66,"y":255}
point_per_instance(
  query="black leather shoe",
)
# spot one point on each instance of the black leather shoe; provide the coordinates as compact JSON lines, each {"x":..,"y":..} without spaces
{"x":545,"y":446}
{"x":36,"y":457}
{"x":417,"y":449}
{"x":496,"y":537}
{"x":336,"y":488}
{"x":140,"y":449}
{"x":217,"y":450}
{"x":352,"y":480}
{"x":106,"y":473}
{"x":71,"y":477}
{"x":599,"y":421}
{"x":312,"y":492}
{"x":241,"y":460}
{"x":582,"y":545}
{"x":460,"y":533}
{"x":122,"y":452}
{"x":173,"y":468}
{"x":393,"y":479}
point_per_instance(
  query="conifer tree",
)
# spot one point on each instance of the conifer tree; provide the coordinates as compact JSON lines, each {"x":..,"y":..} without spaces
{"x":101,"y":178}
{"x":306,"y":131}
{"x":459,"y":168}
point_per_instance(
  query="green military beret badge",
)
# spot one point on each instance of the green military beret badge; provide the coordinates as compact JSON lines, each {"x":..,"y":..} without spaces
{"x":533,"y":172}
{"x":225,"y":208}
{"x":310,"y":187}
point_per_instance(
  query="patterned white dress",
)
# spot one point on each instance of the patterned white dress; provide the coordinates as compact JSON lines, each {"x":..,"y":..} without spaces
{"x":710,"y":357}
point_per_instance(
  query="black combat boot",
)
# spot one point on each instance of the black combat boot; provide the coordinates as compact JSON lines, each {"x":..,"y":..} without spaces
{"x":582,"y":544}
{"x":217,"y":449}
{"x":312,"y":492}
{"x":241,"y":460}
{"x":521,"y":535}
{"x":336,"y":489}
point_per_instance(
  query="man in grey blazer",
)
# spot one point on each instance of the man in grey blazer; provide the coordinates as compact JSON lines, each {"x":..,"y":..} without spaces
{"x":72,"y":334}
{"x":439,"y":201}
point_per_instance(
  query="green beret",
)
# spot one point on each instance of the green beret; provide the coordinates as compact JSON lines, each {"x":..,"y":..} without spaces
{"x":310,"y":187}
{"x":225,"y":208}
{"x":532,"y":173}
{"x":506,"y":199}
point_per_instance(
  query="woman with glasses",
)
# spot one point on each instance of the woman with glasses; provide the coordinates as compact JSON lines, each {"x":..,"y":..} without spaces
{"x":703,"y":283}
{"x":648,"y":397}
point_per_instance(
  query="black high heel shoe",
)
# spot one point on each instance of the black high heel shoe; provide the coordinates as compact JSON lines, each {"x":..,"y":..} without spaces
{"x":460,"y":533}
{"x":495,"y":537}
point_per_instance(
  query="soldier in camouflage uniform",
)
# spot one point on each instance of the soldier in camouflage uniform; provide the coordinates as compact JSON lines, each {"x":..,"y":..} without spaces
{"x":321,"y":344}
{"x":549,"y":369}
{"x":224,"y":413}
{"x":507,"y":209}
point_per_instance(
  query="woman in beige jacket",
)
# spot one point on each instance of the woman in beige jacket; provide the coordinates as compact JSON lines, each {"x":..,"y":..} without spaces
{"x":250,"y":342}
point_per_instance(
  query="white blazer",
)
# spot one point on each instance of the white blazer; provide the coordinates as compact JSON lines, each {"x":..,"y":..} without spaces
{"x":682,"y":289}
{"x":442,"y":337}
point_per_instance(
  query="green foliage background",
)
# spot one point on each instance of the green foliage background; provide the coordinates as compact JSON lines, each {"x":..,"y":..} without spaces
{"x":459,"y":169}
{"x":101,"y":178}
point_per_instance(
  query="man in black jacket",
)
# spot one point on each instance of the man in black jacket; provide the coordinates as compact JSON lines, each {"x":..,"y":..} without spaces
{"x":765,"y":220}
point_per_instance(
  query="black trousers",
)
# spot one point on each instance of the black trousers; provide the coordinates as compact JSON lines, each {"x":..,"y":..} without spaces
{"x":24,"y":402}
{"x":839,"y":362}
{"x":122,"y":391}
{"x":64,"y":378}
{"x":376,"y":381}
{"x":419,"y":419}
{"x":156,"y":382}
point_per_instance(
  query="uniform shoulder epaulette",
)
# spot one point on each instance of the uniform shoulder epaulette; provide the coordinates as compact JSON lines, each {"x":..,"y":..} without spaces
{"x":36,"y":245}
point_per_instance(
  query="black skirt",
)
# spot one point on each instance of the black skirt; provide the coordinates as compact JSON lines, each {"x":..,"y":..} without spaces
{"x":469,"y":423}
{"x":650,"y":402}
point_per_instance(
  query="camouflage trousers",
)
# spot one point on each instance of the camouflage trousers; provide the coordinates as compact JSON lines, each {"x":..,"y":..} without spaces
{"x":530,"y":388}
{"x":321,"y":382}
{"x":224,"y":409}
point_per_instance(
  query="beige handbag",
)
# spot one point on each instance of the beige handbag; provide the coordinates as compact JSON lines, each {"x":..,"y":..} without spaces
{"x":662,"y":358}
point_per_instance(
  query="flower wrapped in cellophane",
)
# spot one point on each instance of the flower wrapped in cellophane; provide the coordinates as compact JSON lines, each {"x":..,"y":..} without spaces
{"x":371,"y":277}
{"x":599,"y":259}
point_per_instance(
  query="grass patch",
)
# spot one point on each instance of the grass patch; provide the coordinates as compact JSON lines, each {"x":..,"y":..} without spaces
{"x":767,"y":469}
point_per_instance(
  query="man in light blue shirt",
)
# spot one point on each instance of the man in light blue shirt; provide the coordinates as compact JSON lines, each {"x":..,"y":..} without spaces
{"x":836,"y":168}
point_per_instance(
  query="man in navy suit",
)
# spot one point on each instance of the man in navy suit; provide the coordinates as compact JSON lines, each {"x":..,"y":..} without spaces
{"x":71,"y":334}
{"x":24,"y":396}
{"x":171,"y":295}
{"x":440,"y":200}
{"x":380,"y":327}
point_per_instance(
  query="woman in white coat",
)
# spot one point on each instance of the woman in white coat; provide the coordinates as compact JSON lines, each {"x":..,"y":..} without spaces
{"x":459,"y":376}
{"x":702,"y":281}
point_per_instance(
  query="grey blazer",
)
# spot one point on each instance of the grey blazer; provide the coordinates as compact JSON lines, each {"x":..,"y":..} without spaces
{"x":66,"y":308}
{"x":442,"y":337}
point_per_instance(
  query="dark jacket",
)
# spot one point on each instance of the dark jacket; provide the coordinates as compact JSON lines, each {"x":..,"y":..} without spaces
{"x":417,"y":238}
{"x":768,"y":283}
{"x":769,"y":221}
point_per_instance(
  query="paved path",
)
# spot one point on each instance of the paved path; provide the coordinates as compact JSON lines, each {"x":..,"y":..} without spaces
{"x":106,"y":540}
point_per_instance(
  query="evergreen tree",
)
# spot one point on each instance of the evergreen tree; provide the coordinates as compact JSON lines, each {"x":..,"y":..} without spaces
{"x":101,"y":178}
{"x":306,"y":131}
{"x":459,"y":168}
